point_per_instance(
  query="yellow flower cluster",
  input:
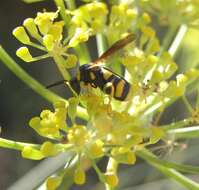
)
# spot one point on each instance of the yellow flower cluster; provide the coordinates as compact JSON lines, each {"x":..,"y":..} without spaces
{"x":114,"y":129}
{"x":173,"y":12}
{"x":50,"y":124}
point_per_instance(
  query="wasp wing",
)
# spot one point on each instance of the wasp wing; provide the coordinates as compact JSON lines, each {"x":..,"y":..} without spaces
{"x":115,"y":47}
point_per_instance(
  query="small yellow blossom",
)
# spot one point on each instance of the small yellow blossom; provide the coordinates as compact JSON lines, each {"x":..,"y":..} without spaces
{"x":21,"y":35}
{"x":32,"y":28}
{"x":53,"y":182}
{"x":48,"y":41}
{"x":111,"y":179}
{"x":31,"y":153}
{"x":24,"y":54}
{"x":79,"y":176}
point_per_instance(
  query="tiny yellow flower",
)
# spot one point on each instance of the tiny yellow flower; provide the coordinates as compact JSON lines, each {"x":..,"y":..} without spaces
{"x":156,"y":134}
{"x":78,"y":135}
{"x":35,"y":122}
{"x":111,"y":179}
{"x":56,"y":30}
{"x":53,"y":182}
{"x":31,"y":153}
{"x":79,"y":176}
{"x":71,"y":61}
{"x":148,"y":31}
{"x":45,"y":20}
{"x":181,"y":79}
{"x":146,"y":17}
{"x":48,"y":149}
{"x":31,"y":27}
{"x":80,"y":35}
{"x":24,"y":54}
{"x":48,"y":41}
{"x":21,"y":35}
{"x":96,"y":149}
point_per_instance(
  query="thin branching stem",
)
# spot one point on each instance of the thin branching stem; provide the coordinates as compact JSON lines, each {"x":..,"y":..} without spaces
{"x":167,"y":169}
{"x":187,"y":132}
{"x":101,"y":44}
{"x":187,"y":104}
{"x":5,"y":143}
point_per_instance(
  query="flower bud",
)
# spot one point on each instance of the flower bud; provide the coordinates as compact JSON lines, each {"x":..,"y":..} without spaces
{"x":131,"y":14}
{"x":130,"y":158}
{"x":31,"y":153}
{"x":48,"y":41}
{"x":148,"y":31}
{"x":70,"y":62}
{"x":48,"y":149}
{"x":53,"y":182}
{"x":79,"y":176}
{"x":31,"y":27}
{"x":35,"y":122}
{"x":79,"y":36}
{"x":181,"y":79}
{"x":72,"y":108}
{"x":56,"y":30}
{"x":59,"y":104}
{"x":157,"y":134}
{"x":96,"y":149}
{"x":146,"y":17}
{"x":21,"y":35}
{"x":24,"y":54}
{"x":111,"y":179}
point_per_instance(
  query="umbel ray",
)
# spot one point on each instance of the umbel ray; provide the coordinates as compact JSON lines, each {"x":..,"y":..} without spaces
{"x":96,"y":75}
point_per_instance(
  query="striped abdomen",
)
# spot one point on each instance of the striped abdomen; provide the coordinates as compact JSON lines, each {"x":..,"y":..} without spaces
{"x":108,"y":81}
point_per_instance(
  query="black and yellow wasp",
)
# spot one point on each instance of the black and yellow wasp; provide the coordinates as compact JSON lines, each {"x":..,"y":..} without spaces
{"x":96,"y":75}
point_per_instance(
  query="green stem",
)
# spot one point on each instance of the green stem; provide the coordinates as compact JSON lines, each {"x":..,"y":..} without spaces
{"x":5,"y":143}
{"x":111,"y":167}
{"x":32,"y":83}
{"x":166,"y":169}
{"x":145,"y":154}
{"x":83,"y":54}
{"x":99,"y":173}
{"x":26,"y":78}
{"x":71,"y":4}
{"x":41,"y":57}
{"x":188,"y":132}
{"x":168,"y":38}
{"x":37,"y":46}
{"x":176,"y":125}
{"x":178,"y":40}
{"x":59,"y":60}
{"x":197,"y":101}
{"x":32,"y":1}
{"x":61,"y":6}
{"x":101,"y":44}
{"x":187,"y":104}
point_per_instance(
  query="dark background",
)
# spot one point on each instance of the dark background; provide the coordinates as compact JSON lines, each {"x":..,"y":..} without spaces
{"x":18,"y":104}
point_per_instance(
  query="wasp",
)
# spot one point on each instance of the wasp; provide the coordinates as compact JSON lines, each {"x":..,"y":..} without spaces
{"x":98,"y":76}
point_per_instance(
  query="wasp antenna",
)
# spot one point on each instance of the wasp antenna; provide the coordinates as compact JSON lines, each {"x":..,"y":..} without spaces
{"x":56,"y":83}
